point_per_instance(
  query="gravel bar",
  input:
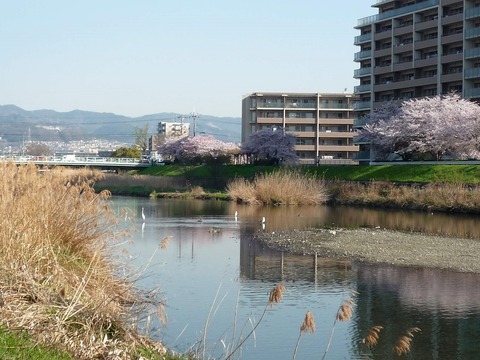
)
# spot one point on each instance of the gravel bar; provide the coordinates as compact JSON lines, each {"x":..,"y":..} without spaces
{"x":380,"y":246}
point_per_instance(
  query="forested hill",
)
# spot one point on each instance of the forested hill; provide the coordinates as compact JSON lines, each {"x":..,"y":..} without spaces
{"x":18,"y":125}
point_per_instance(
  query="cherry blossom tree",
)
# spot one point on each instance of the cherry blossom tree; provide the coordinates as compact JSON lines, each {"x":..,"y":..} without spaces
{"x":271,"y":146}
{"x":380,"y":131}
{"x":198,"y":149}
{"x":427,"y":129}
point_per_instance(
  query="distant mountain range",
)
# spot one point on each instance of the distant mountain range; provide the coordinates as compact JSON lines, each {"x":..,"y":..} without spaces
{"x":18,"y":125}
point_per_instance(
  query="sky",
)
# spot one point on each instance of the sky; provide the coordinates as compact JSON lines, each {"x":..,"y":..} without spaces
{"x":143,"y":57}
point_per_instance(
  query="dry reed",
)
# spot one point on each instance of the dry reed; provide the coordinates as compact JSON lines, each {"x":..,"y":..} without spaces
{"x":274,"y":296}
{"x":196,"y":191}
{"x":308,"y":325}
{"x":56,"y":278}
{"x":283,"y":187}
{"x":165,"y":241}
{"x":432,"y":197}
{"x":373,"y":335}
{"x":404,"y":343}
{"x":344,"y":313}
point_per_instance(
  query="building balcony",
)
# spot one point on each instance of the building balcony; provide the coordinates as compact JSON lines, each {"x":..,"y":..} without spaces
{"x":472,"y":53}
{"x":472,"y":13}
{"x":472,"y":33}
{"x":303,"y":134}
{"x":451,"y":38}
{"x":400,"y":66}
{"x":362,"y":89}
{"x":365,"y":71}
{"x":300,"y":105}
{"x":407,"y":83}
{"x":402,"y":30}
{"x":382,"y":52}
{"x":472,"y":73}
{"x":329,"y":121}
{"x":360,"y":39}
{"x":362,"y":105}
{"x":448,"y":58}
{"x":430,"y":61}
{"x":366,"y":54}
{"x":336,"y":135}
{"x":273,"y":121}
{"x":472,"y":93}
{"x":335,"y":122}
{"x":382,"y":35}
{"x":451,"y":19}
{"x":378,"y":70}
{"x":338,"y":148}
{"x":273,"y":105}
{"x":449,"y":2}
{"x":361,"y":122}
{"x":334,"y":106}
{"x":424,"y":25}
{"x":397,"y":12}
{"x":426,"y":43}
{"x":458,"y":76}
{"x":381,"y":103}
{"x":305,"y":147}
{"x":300,"y":121}
{"x":402,"y":48}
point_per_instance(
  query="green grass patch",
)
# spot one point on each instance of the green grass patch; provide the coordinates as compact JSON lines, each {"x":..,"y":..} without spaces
{"x":21,"y":346}
{"x":246,"y":171}
{"x":467,"y":174}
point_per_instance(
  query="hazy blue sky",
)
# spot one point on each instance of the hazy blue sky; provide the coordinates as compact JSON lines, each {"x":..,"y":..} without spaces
{"x":141,"y":57}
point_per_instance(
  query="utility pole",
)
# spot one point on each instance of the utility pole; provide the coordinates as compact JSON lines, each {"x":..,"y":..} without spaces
{"x":194,"y":116}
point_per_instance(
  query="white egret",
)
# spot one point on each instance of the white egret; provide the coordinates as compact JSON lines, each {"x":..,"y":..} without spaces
{"x":143,"y":214}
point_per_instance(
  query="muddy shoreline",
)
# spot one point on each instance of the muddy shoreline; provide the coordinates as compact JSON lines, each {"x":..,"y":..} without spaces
{"x":380,"y":246}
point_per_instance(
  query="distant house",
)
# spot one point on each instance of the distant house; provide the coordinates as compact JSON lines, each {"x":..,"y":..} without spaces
{"x":166,"y":130}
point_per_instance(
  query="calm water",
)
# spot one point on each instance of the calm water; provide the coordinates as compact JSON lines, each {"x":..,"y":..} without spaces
{"x":212,"y":273}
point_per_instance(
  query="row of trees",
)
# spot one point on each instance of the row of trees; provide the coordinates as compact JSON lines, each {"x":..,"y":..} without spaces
{"x":434,"y":128}
{"x":267,"y":146}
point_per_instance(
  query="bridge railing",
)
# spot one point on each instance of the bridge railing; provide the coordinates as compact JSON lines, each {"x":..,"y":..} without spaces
{"x":77,"y":160}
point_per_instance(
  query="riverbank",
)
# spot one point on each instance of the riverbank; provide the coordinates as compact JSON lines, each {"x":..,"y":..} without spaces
{"x":380,"y":246}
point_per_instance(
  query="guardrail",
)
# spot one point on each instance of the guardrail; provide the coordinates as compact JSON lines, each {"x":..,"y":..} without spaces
{"x":78,"y":161}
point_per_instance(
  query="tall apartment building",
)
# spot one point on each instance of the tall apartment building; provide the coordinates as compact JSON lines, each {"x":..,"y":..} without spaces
{"x":417,"y":48}
{"x":323,"y":123}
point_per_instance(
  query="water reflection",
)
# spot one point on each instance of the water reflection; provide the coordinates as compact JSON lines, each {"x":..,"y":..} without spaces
{"x":445,"y":305}
{"x":199,"y":262}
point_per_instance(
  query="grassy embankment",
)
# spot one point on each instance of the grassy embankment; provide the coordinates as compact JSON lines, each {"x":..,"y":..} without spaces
{"x":61,"y":293}
{"x":432,"y":187}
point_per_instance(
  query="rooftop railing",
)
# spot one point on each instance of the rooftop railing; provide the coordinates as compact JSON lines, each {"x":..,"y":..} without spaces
{"x":396,"y":12}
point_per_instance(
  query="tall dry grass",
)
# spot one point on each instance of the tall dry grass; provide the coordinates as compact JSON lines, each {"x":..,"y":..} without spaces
{"x":283,"y":187}
{"x":433,"y":197}
{"x":56,"y":279}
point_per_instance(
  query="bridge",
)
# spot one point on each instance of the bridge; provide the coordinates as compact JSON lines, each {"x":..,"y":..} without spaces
{"x":104,"y":163}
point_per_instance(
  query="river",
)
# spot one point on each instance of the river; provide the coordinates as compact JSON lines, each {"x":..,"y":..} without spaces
{"x":215,"y":282}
